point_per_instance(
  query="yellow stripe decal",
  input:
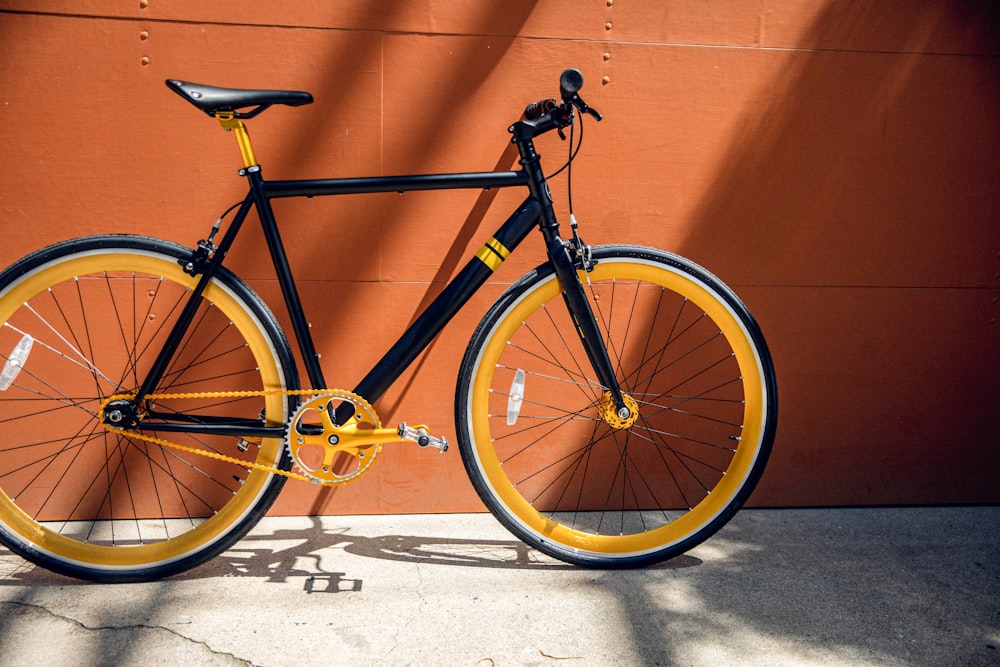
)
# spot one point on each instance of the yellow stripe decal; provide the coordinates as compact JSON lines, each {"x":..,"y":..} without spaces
{"x":498,"y":248}
{"x":493,"y":253}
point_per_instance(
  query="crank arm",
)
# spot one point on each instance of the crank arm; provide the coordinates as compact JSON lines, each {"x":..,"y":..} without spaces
{"x":354,"y":439}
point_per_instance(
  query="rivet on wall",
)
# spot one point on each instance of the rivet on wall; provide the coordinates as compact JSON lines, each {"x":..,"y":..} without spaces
{"x":605,"y":80}
{"x":143,"y":36}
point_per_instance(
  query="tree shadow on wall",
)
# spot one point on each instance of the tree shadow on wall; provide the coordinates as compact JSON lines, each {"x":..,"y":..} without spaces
{"x":843,"y":165}
{"x":842,"y":161}
{"x":464,"y":71}
{"x":861,"y":175}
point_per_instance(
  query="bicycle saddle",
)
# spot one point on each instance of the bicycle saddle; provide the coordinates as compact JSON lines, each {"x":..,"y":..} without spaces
{"x":212,"y":99}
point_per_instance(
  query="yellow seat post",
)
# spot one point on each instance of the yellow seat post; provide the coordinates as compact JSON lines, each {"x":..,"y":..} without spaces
{"x":230,"y":123}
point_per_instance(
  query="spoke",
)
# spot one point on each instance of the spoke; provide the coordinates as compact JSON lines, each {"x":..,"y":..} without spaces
{"x":569,"y":350}
{"x":181,"y":353}
{"x":683,"y":400}
{"x":661,"y":448}
{"x":87,"y":364}
{"x":590,"y":384}
{"x":121,"y":329}
{"x":176,"y":375}
{"x":154,"y":336}
{"x":558,"y":422}
{"x":587,"y":450}
{"x":67,"y":402}
{"x":74,"y":442}
{"x":202,"y":380}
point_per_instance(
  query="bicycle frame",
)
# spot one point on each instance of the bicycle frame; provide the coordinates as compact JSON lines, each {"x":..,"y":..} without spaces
{"x":536,"y":210}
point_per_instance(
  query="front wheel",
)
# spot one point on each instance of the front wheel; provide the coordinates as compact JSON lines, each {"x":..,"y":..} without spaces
{"x":558,"y":469}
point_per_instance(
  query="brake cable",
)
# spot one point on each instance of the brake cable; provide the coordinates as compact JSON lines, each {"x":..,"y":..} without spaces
{"x":580,"y":250}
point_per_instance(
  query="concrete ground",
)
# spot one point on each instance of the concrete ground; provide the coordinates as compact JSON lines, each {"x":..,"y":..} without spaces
{"x":905,"y":586}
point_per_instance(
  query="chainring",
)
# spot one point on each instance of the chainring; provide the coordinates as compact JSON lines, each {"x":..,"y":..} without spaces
{"x":326,"y":452}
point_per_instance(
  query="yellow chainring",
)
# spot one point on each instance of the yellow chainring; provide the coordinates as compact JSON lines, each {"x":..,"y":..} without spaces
{"x":329,"y":453}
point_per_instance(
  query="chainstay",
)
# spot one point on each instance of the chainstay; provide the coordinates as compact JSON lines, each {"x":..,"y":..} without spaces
{"x":219,"y":394}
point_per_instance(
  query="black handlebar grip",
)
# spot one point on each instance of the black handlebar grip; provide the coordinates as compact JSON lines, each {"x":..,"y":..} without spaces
{"x":570,"y":83}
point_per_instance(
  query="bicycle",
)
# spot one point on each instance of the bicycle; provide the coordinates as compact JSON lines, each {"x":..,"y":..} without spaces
{"x":614,"y":408}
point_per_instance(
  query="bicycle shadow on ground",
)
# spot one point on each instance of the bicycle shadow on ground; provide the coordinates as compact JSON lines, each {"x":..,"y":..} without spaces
{"x":285,"y":554}
{"x":310,"y":554}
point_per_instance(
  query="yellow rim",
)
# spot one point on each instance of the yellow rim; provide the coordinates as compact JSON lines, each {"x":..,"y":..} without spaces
{"x":705,"y":511}
{"x":208,"y":531}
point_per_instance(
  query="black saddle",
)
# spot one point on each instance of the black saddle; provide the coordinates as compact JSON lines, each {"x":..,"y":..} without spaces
{"x":212,"y":99}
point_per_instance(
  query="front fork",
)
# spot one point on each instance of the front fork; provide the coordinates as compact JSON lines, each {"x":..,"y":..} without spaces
{"x":615,"y":407}
{"x":586,"y":327}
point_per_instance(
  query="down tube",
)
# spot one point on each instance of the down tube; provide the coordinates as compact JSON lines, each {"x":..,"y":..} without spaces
{"x":450,"y":301}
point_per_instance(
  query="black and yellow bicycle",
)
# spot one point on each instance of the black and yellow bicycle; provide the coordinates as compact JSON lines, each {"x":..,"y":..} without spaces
{"x":614,"y":408}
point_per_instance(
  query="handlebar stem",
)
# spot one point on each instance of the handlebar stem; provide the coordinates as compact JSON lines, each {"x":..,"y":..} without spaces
{"x":526,"y":130}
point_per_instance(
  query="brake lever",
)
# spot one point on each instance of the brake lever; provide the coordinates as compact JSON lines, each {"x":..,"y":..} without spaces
{"x":585,"y":108}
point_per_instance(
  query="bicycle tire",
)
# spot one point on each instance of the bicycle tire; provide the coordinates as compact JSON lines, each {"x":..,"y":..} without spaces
{"x":562,"y":478}
{"x":102,"y":506}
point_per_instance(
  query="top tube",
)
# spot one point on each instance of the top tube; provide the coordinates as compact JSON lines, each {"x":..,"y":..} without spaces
{"x":349,"y":186}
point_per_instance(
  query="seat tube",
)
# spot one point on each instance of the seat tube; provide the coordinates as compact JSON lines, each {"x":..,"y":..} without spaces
{"x":283,"y":271}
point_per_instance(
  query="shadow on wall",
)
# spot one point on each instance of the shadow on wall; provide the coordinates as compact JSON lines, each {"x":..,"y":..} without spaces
{"x":855,"y":209}
{"x":463,"y":71}
{"x":466,"y":71}
{"x":864,"y":144}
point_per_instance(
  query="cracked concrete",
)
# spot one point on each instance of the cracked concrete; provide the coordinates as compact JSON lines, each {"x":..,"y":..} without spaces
{"x":804,"y":587}
{"x":37,"y":636}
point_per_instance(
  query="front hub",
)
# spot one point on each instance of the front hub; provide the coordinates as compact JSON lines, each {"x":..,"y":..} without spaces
{"x":616,"y":416}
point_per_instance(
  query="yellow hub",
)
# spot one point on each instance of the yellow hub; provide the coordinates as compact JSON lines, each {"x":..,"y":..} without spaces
{"x":608,"y":413}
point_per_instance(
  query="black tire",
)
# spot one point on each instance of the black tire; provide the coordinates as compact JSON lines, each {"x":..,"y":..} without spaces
{"x":79,"y":500}
{"x":563,"y":478}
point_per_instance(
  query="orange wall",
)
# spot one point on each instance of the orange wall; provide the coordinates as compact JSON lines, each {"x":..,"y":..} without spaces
{"x":837,"y":163}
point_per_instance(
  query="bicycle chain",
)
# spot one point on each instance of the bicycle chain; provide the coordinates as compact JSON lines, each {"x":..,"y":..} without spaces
{"x":218,"y":394}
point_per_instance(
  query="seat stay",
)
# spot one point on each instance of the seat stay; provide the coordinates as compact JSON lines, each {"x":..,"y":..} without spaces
{"x":205,"y":271}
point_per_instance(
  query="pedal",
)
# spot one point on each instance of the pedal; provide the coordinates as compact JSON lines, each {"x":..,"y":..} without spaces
{"x":419,"y":435}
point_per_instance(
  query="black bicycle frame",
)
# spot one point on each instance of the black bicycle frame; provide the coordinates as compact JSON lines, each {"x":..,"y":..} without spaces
{"x":445,"y":305}
{"x":536,"y":210}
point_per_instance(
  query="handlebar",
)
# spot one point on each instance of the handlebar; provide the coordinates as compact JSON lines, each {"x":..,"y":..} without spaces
{"x":545,"y":115}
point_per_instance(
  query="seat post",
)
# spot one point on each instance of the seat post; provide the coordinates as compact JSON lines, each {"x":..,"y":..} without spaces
{"x":230,"y":123}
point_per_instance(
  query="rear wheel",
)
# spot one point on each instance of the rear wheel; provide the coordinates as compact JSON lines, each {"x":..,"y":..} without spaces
{"x":82,"y":321}
{"x":547,"y":455}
